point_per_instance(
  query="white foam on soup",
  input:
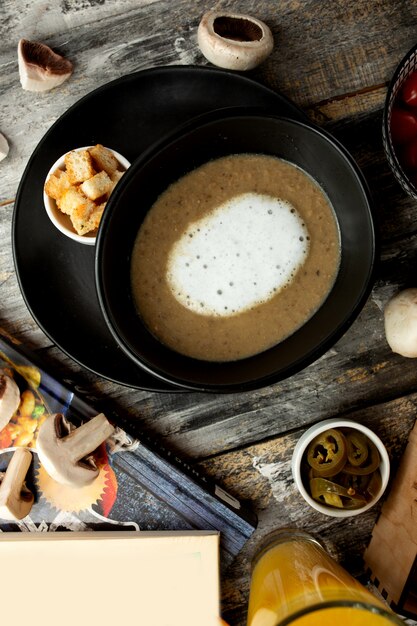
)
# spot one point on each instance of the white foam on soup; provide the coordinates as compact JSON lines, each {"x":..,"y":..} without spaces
{"x":239,"y":255}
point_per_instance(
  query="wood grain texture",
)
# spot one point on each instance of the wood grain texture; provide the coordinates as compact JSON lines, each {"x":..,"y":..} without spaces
{"x":334,"y":60}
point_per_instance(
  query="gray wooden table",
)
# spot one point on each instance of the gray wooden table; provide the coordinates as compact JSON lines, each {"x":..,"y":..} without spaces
{"x":334,"y":60}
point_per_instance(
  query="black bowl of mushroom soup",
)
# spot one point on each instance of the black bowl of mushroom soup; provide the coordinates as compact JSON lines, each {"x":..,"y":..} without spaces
{"x":236,"y":252}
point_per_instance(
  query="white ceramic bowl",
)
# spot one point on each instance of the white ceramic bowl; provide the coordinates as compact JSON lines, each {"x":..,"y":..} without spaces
{"x":61,"y":221}
{"x":301,"y":447}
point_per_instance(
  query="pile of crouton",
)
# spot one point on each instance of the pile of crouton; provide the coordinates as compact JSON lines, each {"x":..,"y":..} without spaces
{"x":82,"y":189}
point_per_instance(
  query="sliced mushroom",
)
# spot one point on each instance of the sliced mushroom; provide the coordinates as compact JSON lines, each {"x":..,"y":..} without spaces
{"x":40,"y":68}
{"x":233,"y":41}
{"x":16,"y":499}
{"x":66,"y":452}
{"x":9,"y":399}
{"x":4,"y":147}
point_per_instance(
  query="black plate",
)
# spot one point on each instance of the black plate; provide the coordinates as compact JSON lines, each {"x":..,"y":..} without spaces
{"x":56,"y":274}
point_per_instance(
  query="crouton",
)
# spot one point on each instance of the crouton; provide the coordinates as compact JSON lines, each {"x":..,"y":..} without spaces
{"x":95,"y":217}
{"x":79,"y":208}
{"x":97,"y":186}
{"x":80,"y":217}
{"x":115,"y":177}
{"x":57,"y":184}
{"x":104,"y":159}
{"x":79,"y":166}
{"x":70,"y":199}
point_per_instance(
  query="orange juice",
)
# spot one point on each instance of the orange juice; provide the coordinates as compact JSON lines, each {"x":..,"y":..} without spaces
{"x":295,"y":581}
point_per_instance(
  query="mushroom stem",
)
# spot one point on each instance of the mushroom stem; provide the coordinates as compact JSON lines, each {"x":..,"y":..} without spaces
{"x":66,"y":454}
{"x":86,"y":438}
{"x":15,"y":498}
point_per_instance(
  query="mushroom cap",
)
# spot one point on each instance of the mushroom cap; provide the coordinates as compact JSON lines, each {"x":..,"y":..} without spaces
{"x":9,"y":399}
{"x":234,"y":41}
{"x":40,"y":68}
{"x":400,"y":319}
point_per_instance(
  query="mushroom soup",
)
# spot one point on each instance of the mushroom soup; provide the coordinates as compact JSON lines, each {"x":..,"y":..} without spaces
{"x":234,"y":257}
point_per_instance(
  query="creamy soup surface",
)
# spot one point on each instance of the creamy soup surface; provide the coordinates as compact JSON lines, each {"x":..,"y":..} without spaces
{"x":234,"y":257}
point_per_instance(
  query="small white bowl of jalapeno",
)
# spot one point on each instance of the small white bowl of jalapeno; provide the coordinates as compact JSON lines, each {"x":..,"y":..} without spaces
{"x":340,"y":467}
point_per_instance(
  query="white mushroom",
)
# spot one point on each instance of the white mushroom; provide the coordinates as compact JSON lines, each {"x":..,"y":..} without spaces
{"x":401,"y":323}
{"x":4,"y":147}
{"x":16,"y":499}
{"x":40,"y":68}
{"x":9,"y":399}
{"x":233,"y":41}
{"x":66,"y":452}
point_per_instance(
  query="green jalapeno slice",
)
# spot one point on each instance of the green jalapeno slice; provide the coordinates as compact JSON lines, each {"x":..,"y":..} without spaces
{"x":332,"y":494}
{"x":357,"y":448}
{"x":371,"y":463}
{"x":327,"y":453}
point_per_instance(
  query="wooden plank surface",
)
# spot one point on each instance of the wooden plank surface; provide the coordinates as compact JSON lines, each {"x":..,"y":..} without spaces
{"x":334,"y":60}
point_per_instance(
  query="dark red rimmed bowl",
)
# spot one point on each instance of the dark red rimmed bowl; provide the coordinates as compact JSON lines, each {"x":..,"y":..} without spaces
{"x":308,"y":147}
{"x":406,"y":67}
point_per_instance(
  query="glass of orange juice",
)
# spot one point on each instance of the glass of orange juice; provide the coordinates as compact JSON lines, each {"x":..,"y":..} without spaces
{"x":296,"y":582}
